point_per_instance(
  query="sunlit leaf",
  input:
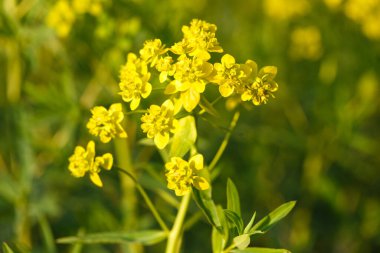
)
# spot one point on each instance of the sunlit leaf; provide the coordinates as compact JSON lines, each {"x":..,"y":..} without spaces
{"x":272,"y":218}
{"x":250,"y":224}
{"x":6,"y":248}
{"x":208,"y":207}
{"x":260,"y":250}
{"x":242,"y":241}
{"x":233,"y":200}
{"x":184,"y":138}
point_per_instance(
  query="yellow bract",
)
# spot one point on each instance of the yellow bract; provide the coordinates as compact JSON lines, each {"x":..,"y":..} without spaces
{"x":159,"y":122}
{"x":181,"y":175}
{"x":134,"y":77}
{"x":106,"y":123}
{"x":84,"y":161}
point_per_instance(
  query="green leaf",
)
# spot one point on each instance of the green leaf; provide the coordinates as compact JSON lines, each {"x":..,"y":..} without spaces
{"x":6,"y":248}
{"x":208,"y":207}
{"x":217,"y":241}
{"x":233,"y":200}
{"x":272,"y":218}
{"x":235,"y":220}
{"x":249,"y":225}
{"x":146,"y":237}
{"x":242,"y":241}
{"x":260,"y":250}
{"x":184,"y":138}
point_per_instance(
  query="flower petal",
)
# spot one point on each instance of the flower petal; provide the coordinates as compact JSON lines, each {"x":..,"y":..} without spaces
{"x":200,"y":183}
{"x":96,"y":179}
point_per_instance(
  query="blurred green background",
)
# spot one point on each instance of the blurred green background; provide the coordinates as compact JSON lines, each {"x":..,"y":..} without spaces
{"x":316,"y":143}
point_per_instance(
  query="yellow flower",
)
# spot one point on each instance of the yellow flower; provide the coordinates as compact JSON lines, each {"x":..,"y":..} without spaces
{"x":229,"y":75}
{"x":262,"y":87}
{"x":181,"y":175}
{"x":94,"y":7}
{"x":306,"y":43}
{"x":190,"y":80}
{"x":60,"y":18}
{"x":198,"y":39}
{"x":84,"y":161}
{"x":106,"y":123}
{"x":159,"y":122}
{"x":151,"y":51}
{"x":134,"y":77}
{"x":165,"y":67}
{"x":285,"y":9}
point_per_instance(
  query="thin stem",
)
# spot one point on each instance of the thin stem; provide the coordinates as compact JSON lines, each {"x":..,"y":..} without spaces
{"x":175,"y":235}
{"x":225,"y":141}
{"x":136,"y":112}
{"x":147,"y":200}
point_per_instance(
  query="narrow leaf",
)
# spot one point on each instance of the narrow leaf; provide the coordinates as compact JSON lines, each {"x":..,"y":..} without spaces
{"x":146,"y":237}
{"x":249,"y":225}
{"x":233,"y":200}
{"x":6,"y":248}
{"x":184,"y":138}
{"x":260,"y":250}
{"x":235,"y":220}
{"x":217,"y":241}
{"x":208,"y":207}
{"x":272,"y":218}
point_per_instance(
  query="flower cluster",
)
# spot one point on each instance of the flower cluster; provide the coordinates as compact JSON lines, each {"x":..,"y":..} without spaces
{"x":159,"y":122}
{"x":84,"y":161}
{"x":182,"y":175}
{"x":306,"y":43}
{"x":106,"y":123}
{"x":184,"y":71}
{"x":62,"y":15}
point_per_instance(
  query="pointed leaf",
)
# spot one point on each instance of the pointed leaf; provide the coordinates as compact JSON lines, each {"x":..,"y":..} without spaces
{"x":235,"y":220}
{"x":233,"y":200}
{"x":208,"y":207}
{"x":249,"y":225}
{"x":184,"y":138}
{"x":6,"y":248}
{"x":217,"y":241}
{"x":260,"y":250}
{"x":271,"y":219}
{"x":146,"y":237}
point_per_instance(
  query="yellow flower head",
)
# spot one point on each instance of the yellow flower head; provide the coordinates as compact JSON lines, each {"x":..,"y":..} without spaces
{"x":159,"y":122}
{"x":181,"y":175}
{"x":198,"y":39}
{"x":84,"y":160}
{"x":165,"y":67}
{"x":229,"y":75}
{"x":94,"y":7}
{"x":106,"y":123}
{"x":151,"y":51}
{"x":61,"y":17}
{"x":306,"y":43}
{"x":134,"y":77}
{"x":190,"y":80}
{"x":262,"y":87}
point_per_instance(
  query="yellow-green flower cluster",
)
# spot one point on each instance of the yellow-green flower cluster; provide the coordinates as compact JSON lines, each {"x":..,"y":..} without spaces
{"x":84,"y":161}
{"x":182,"y":175}
{"x":286,"y":9}
{"x":62,"y":15}
{"x":107,"y":123}
{"x":134,"y":81}
{"x":305,"y":43}
{"x":367,"y":14}
{"x":159,"y":122}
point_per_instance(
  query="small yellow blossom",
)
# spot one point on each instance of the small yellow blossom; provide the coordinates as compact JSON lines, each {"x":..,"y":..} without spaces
{"x":151,"y":51}
{"x":159,"y":122}
{"x":285,"y":9}
{"x":61,"y":18}
{"x":229,"y":75}
{"x":94,"y":7}
{"x":198,"y":40}
{"x":134,"y":77}
{"x":84,"y":161}
{"x":106,"y":123}
{"x":181,"y":175}
{"x":306,"y":43}
{"x":262,"y":87}
{"x":190,"y":80}
{"x":165,"y":67}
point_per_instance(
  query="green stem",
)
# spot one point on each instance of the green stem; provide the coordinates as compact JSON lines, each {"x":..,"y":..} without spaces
{"x":225,"y":141}
{"x":175,"y":236}
{"x":146,"y":199}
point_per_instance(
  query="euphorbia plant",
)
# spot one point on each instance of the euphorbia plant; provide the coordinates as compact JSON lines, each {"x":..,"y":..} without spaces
{"x":178,"y":76}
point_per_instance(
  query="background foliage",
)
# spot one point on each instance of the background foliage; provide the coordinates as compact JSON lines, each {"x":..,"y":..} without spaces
{"x":317,"y":142}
